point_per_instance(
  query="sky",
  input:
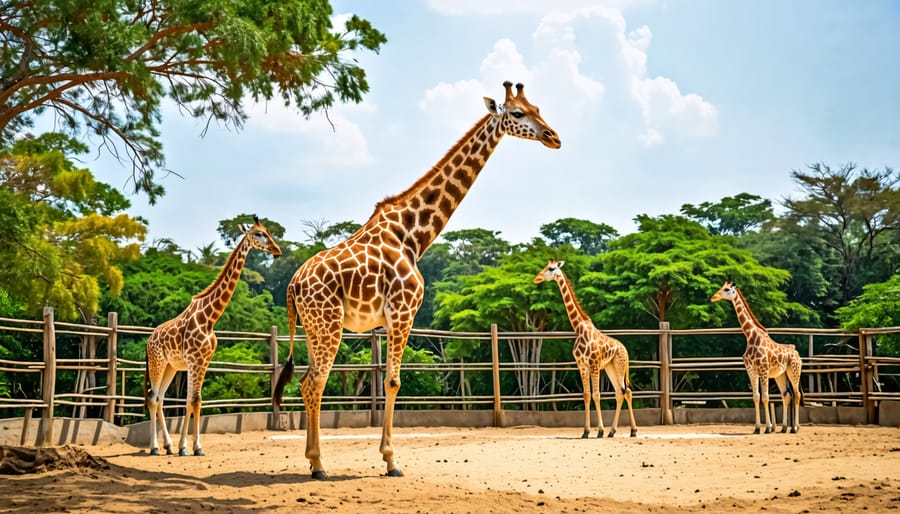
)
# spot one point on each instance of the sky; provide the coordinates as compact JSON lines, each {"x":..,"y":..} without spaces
{"x":657,"y":103}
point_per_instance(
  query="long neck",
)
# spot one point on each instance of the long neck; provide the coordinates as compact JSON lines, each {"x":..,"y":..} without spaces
{"x":573,"y":308}
{"x":424,"y":209}
{"x":215,"y":298}
{"x":749,"y":324}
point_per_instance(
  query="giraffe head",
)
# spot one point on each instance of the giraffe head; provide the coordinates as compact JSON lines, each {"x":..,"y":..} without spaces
{"x":521,"y":119}
{"x":727,"y":292}
{"x":260,"y":237}
{"x":552,"y":271}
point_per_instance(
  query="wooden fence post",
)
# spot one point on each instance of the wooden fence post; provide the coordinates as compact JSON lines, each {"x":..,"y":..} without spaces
{"x":273,"y":358}
{"x":112,"y":322}
{"x":48,"y":384}
{"x":495,"y":368}
{"x":865,"y":375}
{"x":665,"y":374}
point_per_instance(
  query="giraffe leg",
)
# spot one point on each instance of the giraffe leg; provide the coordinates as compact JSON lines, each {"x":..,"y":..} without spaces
{"x":322,"y":346}
{"x":781,"y":381}
{"x":595,"y":393}
{"x":168,"y":375}
{"x":398,"y":332}
{"x":586,"y":396}
{"x":764,"y":384}
{"x":796,"y":395}
{"x":754,"y":385}
{"x":617,"y":384}
{"x":196,"y":373}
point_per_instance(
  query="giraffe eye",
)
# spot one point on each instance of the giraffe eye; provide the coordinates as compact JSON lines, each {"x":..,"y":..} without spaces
{"x":516,"y":114}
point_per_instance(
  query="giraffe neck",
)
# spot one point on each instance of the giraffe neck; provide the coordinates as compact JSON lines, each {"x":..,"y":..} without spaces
{"x":424,"y":209}
{"x":749,"y":324}
{"x":213,"y":300}
{"x":573,"y":308}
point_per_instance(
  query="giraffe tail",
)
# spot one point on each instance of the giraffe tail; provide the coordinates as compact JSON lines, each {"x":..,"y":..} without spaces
{"x":287,"y":370}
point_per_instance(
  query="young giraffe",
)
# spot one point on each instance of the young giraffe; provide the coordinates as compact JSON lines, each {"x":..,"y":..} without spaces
{"x":594,"y":351}
{"x":187,"y":342}
{"x":372,"y":280}
{"x":765,"y":359}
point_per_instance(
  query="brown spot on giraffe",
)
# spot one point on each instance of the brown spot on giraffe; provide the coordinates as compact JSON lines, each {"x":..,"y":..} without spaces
{"x":594,"y":352}
{"x":765,"y":359}
{"x":187,"y":342}
{"x":392,"y":286}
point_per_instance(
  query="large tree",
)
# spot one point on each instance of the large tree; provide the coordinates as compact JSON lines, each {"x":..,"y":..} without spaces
{"x":732,"y":215}
{"x":105,"y":66}
{"x":585,"y":235}
{"x":856,"y":213}
{"x":63,"y":235}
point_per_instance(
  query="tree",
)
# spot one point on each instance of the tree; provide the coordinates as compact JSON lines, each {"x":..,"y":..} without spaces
{"x":588,"y":237}
{"x":474,"y":248}
{"x":877,"y":306}
{"x":62,"y":240}
{"x":732,"y":215}
{"x":667,"y":271}
{"x":856,"y":213}
{"x":107,"y":66}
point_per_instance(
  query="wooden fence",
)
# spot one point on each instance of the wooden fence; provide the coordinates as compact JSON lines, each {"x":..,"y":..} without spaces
{"x":840,"y":368}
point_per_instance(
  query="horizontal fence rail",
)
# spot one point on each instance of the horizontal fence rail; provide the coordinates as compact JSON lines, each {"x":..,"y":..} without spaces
{"x":839,"y":368}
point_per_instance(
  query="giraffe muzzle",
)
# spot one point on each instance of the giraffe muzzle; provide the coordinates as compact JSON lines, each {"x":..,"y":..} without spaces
{"x":550,"y":139}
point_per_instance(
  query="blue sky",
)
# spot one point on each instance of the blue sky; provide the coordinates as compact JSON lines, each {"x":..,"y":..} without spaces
{"x":657,"y":103}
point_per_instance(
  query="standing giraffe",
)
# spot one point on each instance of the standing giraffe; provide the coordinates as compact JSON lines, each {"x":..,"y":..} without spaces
{"x":372,"y":280}
{"x":765,"y":359}
{"x":187,"y":342}
{"x":594,"y":351}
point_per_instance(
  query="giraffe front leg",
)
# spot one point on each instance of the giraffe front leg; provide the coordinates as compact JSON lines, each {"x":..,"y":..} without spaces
{"x":754,"y":385}
{"x":764,"y":384}
{"x":155,"y":401}
{"x":397,"y":335}
{"x":586,"y":396}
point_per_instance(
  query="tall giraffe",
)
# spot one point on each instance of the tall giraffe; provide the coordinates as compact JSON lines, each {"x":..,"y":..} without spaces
{"x":372,"y":280}
{"x":594,"y":351}
{"x":765,"y":359}
{"x":187,"y":342}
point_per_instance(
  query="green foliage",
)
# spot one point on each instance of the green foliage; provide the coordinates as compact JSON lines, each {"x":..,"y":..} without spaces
{"x":63,"y":241}
{"x":588,"y":237}
{"x":106,"y":66}
{"x":222,"y":386}
{"x":877,"y":306}
{"x":732,"y":215}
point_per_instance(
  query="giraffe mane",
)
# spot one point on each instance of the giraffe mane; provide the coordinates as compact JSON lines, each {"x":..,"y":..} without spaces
{"x":752,"y":315}
{"x":574,"y":298}
{"x":417,"y":185}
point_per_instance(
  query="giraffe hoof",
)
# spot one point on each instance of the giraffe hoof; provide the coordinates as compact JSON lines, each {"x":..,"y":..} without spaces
{"x":587,"y":434}
{"x":320,"y":475}
{"x":182,"y":453}
{"x":783,"y":430}
{"x":756,"y":431}
{"x":154,"y":451}
{"x":769,"y":430}
{"x":199,"y":453}
{"x":394,"y":473}
{"x":612,"y":433}
{"x":633,"y":432}
{"x":794,"y":430}
{"x":168,"y":450}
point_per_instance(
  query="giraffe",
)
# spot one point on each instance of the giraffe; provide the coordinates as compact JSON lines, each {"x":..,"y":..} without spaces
{"x":187,"y":341}
{"x":765,"y":359}
{"x":372,"y":279}
{"x":594,"y":351}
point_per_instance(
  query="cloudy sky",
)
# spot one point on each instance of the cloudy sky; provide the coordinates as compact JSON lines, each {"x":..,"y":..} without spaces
{"x":657,"y":103}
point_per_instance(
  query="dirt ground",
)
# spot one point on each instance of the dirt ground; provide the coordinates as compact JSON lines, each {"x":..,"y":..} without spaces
{"x":688,"y":468}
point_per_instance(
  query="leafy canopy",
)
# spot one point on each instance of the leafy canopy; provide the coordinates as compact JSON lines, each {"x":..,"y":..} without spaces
{"x":105,"y":66}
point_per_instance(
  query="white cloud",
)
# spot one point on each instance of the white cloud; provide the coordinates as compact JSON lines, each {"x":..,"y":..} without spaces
{"x":494,"y":7}
{"x":342,"y":144}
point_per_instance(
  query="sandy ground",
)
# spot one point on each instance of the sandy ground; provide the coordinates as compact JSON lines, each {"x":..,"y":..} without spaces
{"x":692,"y":468}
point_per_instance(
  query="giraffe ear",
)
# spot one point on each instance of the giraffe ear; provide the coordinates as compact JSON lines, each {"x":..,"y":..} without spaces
{"x":559,"y":264}
{"x":255,"y":219}
{"x":492,"y":107}
{"x":244,"y":228}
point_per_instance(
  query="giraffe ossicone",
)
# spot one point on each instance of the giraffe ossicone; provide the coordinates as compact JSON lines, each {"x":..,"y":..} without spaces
{"x":187,"y":342}
{"x":764,"y":359}
{"x":372,"y":279}
{"x":594,"y":352}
